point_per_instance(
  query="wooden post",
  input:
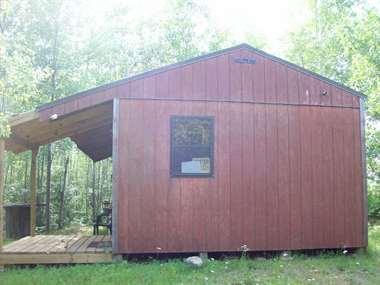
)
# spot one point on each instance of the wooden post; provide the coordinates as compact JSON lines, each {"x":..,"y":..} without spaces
{"x":2,"y":177}
{"x":33,"y":191}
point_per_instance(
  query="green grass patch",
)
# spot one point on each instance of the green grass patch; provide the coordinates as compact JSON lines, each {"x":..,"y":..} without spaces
{"x":362,"y":267}
{"x":7,"y":241}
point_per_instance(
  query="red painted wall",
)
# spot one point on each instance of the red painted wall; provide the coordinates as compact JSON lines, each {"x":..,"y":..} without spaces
{"x":220,"y":78}
{"x":288,"y":165}
{"x":286,"y":177}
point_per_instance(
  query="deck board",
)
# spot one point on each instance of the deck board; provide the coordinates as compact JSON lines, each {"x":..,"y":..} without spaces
{"x":84,"y":246}
{"x":30,"y":243}
{"x":16,"y":243}
{"x":76,"y":245}
{"x":58,"y":249}
{"x":97,"y":239}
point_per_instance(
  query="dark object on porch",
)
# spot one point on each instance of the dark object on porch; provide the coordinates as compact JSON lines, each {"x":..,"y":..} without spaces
{"x":104,"y":219}
{"x":17,"y":221}
{"x":101,"y":244}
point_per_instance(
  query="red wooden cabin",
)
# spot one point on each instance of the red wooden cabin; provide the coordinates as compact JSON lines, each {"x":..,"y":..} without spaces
{"x":233,"y":148}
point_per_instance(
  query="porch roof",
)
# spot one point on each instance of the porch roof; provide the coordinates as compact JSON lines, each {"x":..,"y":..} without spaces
{"x":89,"y":128}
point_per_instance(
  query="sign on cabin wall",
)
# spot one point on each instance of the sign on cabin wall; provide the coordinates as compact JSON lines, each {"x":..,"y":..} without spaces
{"x":196,"y":165}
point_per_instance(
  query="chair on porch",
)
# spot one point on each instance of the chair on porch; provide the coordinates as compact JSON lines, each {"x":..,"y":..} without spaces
{"x":104,"y":219}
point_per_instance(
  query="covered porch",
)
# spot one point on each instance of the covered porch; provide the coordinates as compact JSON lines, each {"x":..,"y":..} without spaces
{"x":91,"y":129}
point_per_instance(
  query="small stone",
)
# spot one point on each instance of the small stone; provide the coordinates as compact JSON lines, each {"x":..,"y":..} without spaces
{"x":286,"y":256}
{"x":194,"y":261}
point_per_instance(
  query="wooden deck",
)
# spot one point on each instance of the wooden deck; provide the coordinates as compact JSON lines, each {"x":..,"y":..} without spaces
{"x":57,"y":249}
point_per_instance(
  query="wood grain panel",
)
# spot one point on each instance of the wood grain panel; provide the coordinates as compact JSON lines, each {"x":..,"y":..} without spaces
{"x":304,"y":84}
{"x":236,"y":193}
{"x":327,"y":173}
{"x":284,"y":178}
{"x":261,"y":76}
{"x":281,"y":84}
{"x":271,"y":173}
{"x":348,"y":155}
{"x":283,"y":181}
{"x":247,"y":78}
{"x":358,"y":218}
{"x":147,"y":195}
{"x":212,"y":206}
{"x":223,"y":71}
{"x":258,"y":75}
{"x":295,"y":171}
{"x":235,"y":77}
{"x":212,"y":91}
{"x":306,"y":146}
{"x":270,"y":81}
{"x":223,"y":175}
{"x":135,"y":179}
{"x":338,"y":195}
{"x":293,"y":86}
{"x":260,"y":182}
{"x":248,"y":166}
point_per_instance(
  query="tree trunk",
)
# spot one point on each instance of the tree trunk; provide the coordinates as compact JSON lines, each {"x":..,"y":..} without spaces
{"x":101,"y":183}
{"x":26,"y":173}
{"x":97,"y":195}
{"x":48,"y":188}
{"x":40,"y":183}
{"x":93,"y":191}
{"x":61,"y":219}
{"x":10,"y":181}
{"x":87,"y":191}
{"x":6,"y":174}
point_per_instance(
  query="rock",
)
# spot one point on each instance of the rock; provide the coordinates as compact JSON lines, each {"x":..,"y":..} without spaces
{"x":194,"y":261}
{"x":286,"y":255}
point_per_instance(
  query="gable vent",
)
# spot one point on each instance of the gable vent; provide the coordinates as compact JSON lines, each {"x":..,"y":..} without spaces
{"x":245,"y":60}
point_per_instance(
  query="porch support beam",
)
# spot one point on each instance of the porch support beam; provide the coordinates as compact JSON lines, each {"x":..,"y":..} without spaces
{"x":2,"y":178}
{"x":33,"y":191}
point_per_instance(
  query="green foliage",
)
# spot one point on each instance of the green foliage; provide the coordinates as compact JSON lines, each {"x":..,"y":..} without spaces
{"x":374,"y":202}
{"x":4,"y":126}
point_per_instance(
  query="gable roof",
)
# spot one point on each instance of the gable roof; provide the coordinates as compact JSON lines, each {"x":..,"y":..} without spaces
{"x":194,"y":60}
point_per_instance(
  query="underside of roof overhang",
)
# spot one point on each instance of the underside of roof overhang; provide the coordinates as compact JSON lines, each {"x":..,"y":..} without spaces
{"x":90,"y":129}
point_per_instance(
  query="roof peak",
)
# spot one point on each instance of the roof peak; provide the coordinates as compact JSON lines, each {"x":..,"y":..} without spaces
{"x":194,"y":60}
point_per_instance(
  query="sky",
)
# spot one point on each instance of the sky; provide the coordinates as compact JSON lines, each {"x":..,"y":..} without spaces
{"x":270,"y":19}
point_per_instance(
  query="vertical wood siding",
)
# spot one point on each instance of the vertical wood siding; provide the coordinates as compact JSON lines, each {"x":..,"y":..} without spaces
{"x":288,"y":170}
{"x":221,"y":78}
{"x":286,"y":177}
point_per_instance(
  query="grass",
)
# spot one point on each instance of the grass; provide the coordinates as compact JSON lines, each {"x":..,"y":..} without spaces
{"x":328,"y":268}
{"x":8,"y":241}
